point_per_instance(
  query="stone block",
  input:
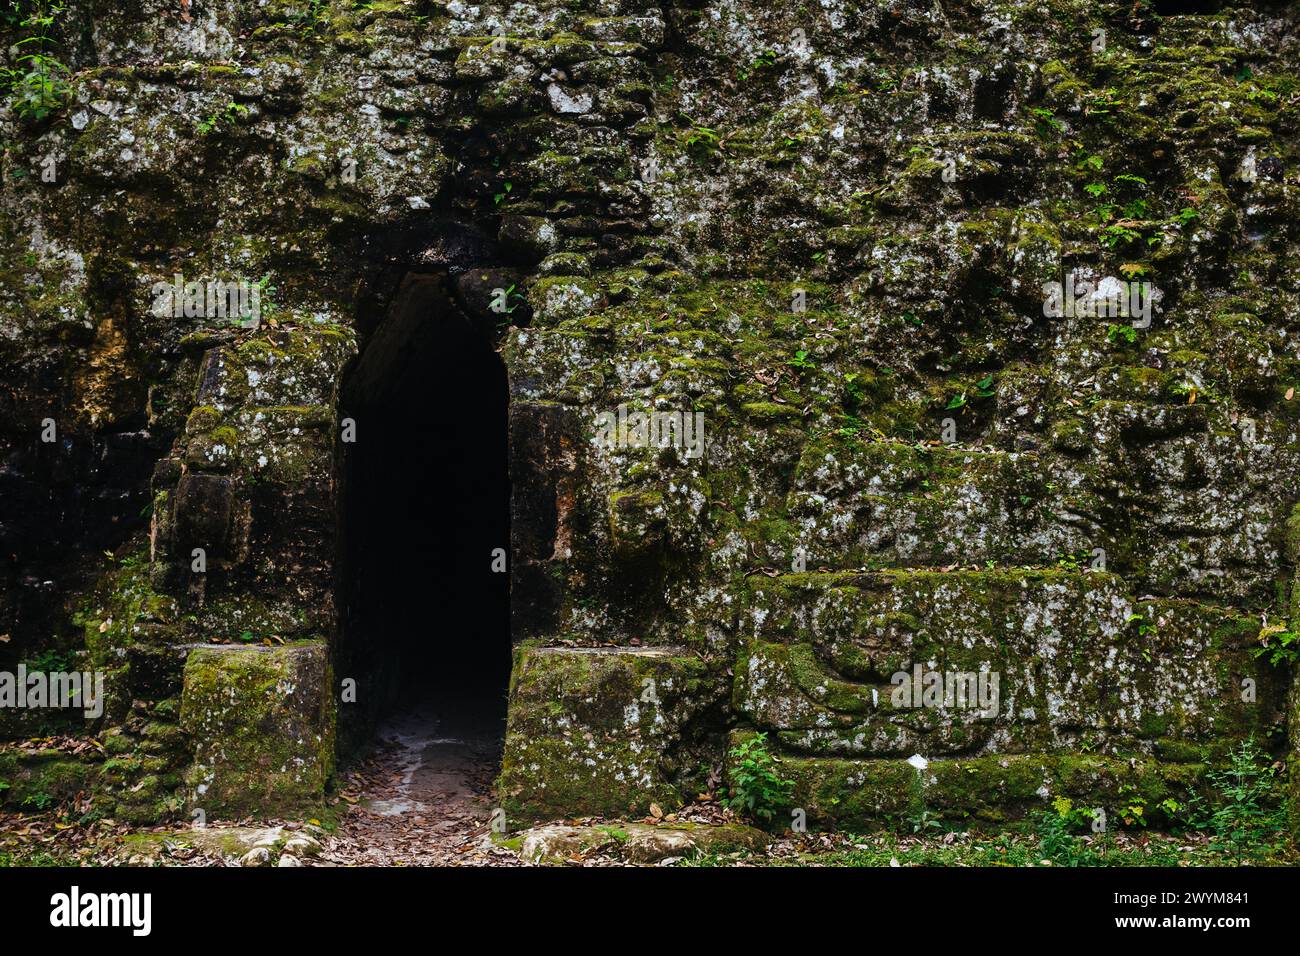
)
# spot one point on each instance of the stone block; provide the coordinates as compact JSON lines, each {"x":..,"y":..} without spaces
{"x":602,"y":730}
{"x":262,"y":723}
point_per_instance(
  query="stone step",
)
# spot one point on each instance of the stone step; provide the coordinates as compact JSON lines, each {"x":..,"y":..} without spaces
{"x":633,"y":842}
{"x":36,"y":778}
{"x":991,"y":789}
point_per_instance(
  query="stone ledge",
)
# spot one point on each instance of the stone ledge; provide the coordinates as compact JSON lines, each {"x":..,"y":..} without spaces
{"x":992,"y":790}
{"x":633,"y":842}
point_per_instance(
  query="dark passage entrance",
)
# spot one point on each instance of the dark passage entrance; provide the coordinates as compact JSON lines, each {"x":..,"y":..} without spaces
{"x":426,"y":497}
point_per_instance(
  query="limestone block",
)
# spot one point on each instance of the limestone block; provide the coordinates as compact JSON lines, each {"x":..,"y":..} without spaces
{"x":262,"y":725}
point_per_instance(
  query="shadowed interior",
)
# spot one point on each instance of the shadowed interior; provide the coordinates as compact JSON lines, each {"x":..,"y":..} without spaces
{"x":426,"y":503}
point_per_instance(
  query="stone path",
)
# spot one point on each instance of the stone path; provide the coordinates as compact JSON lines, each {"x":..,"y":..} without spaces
{"x":423,"y":798}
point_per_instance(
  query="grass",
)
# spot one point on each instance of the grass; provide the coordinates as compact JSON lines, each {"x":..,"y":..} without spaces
{"x":969,"y":849}
{"x":34,"y":857}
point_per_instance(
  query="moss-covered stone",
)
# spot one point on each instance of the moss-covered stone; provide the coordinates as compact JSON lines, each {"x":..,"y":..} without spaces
{"x":34,"y":780}
{"x":990,"y":791}
{"x":603,"y":730}
{"x":824,"y":651}
{"x":262,"y":725}
{"x":835,"y":252}
{"x":634,"y":842}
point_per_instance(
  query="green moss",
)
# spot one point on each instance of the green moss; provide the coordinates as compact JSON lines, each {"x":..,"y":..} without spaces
{"x":603,"y":750}
{"x":39,"y":780}
{"x":263,"y":722}
{"x":984,"y":791}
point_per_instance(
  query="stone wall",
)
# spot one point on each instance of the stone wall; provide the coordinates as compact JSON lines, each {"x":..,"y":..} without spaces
{"x":825,"y":230}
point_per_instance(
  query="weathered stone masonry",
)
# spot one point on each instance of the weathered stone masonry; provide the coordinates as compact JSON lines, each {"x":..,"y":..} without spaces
{"x":657,"y":186}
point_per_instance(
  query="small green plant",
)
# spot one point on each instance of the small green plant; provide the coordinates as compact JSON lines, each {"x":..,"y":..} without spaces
{"x":1133,"y":812}
{"x":1144,"y":629}
{"x":1103,"y":103}
{"x":761,"y":61}
{"x":1056,"y":842}
{"x":1131,"y":179}
{"x":499,"y":197}
{"x":854,"y":395}
{"x":1243,"y":821}
{"x":923,"y":819}
{"x":312,"y":15}
{"x":513,"y":298}
{"x":1272,"y":90}
{"x":981,"y":389}
{"x":1279,"y":644}
{"x":1056,"y":839}
{"x":1120,"y":221}
{"x":51,"y":661}
{"x":702,"y":141}
{"x":1074,"y":817}
{"x":757,"y":790}
{"x":1118,"y":234}
{"x":1172,"y":808}
{"x":1089,"y":161}
{"x":1046,"y":124}
{"x":40,"y":800}
{"x":1074,"y":561}
{"x":266,"y":293}
{"x":38,"y":85}
{"x":1121,"y":333}
{"x":228,"y":116}
{"x":919,"y":816}
{"x":39,"y":89}
{"x":802,"y":362}
{"x":850,"y":427}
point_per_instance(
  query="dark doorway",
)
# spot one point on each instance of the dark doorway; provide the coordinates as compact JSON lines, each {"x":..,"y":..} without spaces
{"x":425,"y":615}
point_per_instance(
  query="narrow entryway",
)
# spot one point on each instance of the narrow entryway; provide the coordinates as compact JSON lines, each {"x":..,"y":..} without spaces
{"x":425,"y":608}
